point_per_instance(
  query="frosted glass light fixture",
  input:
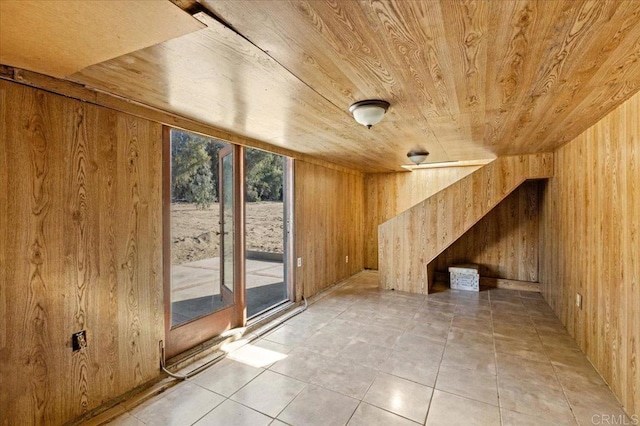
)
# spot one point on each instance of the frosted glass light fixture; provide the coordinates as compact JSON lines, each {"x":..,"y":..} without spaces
{"x":369,"y":112}
{"x":417,"y":157}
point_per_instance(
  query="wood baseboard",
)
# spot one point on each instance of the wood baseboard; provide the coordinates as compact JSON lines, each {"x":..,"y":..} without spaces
{"x":443,"y":277}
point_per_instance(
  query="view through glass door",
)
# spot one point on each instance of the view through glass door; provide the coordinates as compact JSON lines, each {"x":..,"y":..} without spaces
{"x":267,"y":230}
{"x":203,"y":298}
{"x":226,"y":235}
{"x":226,"y":222}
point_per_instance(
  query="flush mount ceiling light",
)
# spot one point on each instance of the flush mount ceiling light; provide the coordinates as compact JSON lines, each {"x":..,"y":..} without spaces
{"x":417,"y":157}
{"x":369,"y":112}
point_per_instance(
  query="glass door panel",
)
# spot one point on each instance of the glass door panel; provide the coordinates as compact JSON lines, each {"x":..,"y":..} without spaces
{"x":199,"y":224}
{"x":267,"y":226}
{"x":226,"y":224}
{"x":220,"y":265}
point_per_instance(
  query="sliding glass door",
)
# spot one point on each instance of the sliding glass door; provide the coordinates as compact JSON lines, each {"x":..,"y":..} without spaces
{"x":214,"y":279}
{"x":202,"y":243}
{"x":227,"y":225}
{"x":267,"y":230}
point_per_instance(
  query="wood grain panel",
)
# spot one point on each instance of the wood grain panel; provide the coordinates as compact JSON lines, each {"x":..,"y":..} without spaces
{"x":590,"y":245}
{"x":466,"y":79}
{"x":61,"y":37}
{"x":4,"y":214}
{"x":329,"y":223}
{"x":388,"y":194}
{"x":81,"y":206}
{"x":504,"y":243}
{"x":490,"y":185}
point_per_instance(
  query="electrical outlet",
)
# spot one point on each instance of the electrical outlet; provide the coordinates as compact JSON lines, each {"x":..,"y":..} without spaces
{"x":79,"y":340}
{"x":346,"y":259}
{"x":579,"y":300}
{"x":299,"y":262}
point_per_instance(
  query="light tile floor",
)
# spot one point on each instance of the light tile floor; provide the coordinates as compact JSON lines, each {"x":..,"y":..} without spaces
{"x":362,"y":356}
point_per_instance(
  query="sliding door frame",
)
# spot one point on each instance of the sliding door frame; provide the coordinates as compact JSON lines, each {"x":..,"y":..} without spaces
{"x":289,"y":250}
{"x":185,"y":336}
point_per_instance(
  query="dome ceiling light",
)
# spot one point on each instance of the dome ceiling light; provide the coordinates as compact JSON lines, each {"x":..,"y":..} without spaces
{"x":369,"y":112}
{"x":417,"y":157}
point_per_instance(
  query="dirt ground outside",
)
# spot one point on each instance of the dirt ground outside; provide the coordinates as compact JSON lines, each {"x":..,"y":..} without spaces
{"x":195,"y":233}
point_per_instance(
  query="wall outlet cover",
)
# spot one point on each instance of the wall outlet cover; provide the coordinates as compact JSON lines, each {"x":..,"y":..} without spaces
{"x":79,"y":340}
{"x":579,"y":300}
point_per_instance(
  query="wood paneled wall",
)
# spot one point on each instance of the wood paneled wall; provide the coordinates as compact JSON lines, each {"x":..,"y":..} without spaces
{"x":80,"y":249}
{"x":329,"y":217}
{"x":504,"y":243}
{"x":389,"y":194}
{"x":413,"y":239}
{"x":590,"y":244}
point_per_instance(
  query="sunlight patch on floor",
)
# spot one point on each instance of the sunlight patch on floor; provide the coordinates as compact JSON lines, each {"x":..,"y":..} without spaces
{"x":256,"y":356}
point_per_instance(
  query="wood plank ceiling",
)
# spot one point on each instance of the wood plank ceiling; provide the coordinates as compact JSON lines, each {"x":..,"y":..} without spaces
{"x":466,"y":79}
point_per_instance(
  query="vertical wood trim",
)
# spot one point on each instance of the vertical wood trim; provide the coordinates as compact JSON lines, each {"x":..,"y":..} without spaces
{"x":4,"y":211}
{"x":166,"y":228}
{"x":291,"y":231}
{"x":78,"y":196}
{"x":239,"y":251}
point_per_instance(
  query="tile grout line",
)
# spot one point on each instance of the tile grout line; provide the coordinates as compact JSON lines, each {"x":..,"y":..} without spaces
{"x":495,"y":358}
{"x":393,"y":375}
{"x":555,"y":373}
{"x":378,"y":372}
{"x":553,"y":367}
{"x":435,"y":381}
{"x":284,"y":408}
{"x":548,"y":359}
